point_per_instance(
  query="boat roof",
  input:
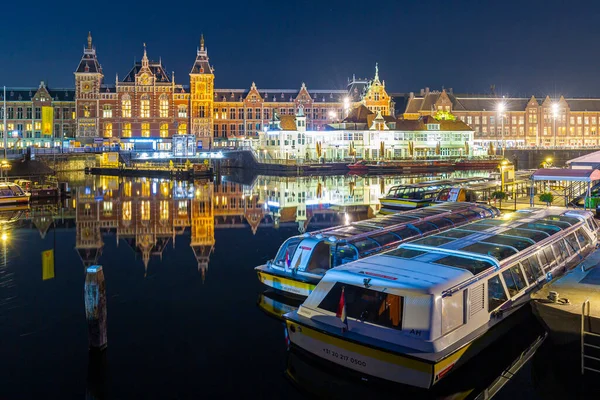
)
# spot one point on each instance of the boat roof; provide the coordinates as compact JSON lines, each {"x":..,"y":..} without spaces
{"x":370,"y":235}
{"x":445,"y":259}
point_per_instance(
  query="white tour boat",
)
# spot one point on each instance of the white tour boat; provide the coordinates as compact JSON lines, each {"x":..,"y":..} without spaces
{"x":11,"y":193}
{"x":414,"y":314}
{"x":302,"y":260}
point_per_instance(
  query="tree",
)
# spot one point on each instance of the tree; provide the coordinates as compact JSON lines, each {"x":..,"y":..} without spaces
{"x":499,"y":195}
{"x":547,"y":198}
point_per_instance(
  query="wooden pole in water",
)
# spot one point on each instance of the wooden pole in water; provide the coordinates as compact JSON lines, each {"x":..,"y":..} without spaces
{"x":95,"y":307}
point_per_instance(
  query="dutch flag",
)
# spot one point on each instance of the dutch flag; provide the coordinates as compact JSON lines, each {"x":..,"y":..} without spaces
{"x":341,"y":312}
{"x":287,"y":259}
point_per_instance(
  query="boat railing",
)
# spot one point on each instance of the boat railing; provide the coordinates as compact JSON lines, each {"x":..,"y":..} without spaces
{"x":509,"y":260}
{"x":395,"y":226}
{"x":585,"y":313}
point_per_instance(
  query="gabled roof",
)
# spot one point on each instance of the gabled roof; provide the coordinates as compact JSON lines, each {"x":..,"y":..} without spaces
{"x":201,"y":64}
{"x":89,"y":62}
{"x":156,"y":68}
{"x":280,"y":95}
{"x":358,"y":114}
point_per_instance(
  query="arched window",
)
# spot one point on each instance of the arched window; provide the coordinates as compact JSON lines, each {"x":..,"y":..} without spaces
{"x":163,"y":106}
{"x":164,"y":130}
{"x":145,"y":129}
{"x":182,"y":130}
{"x":145,"y":106}
{"x":86,"y":111}
{"x":182,"y":111}
{"x":108,"y":132}
{"x":126,"y":106}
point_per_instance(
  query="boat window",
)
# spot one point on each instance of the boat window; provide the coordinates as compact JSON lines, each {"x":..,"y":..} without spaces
{"x":344,"y":254}
{"x":453,"y":314}
{"x":425,"y":227}
{"x":477,"y":227}
{"x":383,"y":309}
{"x":500,"y":252}
{"x":434,"y":241}
{"x":385,"y":239}
{"x":543,"y":260}
{"x":572,"y":243}
{"x":535,"y":235}
{"x":582,"y":237}
{"x":590,"y":224}
{"x":472,"y":265}
{"x":559,"y":250}
{"x":405,"y":253}
{"x":514,"y":279}
{"x":567,"y":249}
{"x":496,"y":293}
{"x":286,"y":252}
{"x":407,"y":232}
{"x":442,"y":223}
{"x":319,"y":260}
{"x":456,"y":218}
{"x":455,"y":233}
{"x":560,"y":224}
{"x":534,"y":264}
{"x":549,"y":229}
{"x":531,"y":278}
{"x":364,"y":245}
{"x":516,"y":242}
{"x":570,"y":220}
{"x":549,"y":255}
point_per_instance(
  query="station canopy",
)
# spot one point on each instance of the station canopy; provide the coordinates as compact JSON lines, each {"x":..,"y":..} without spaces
{"x":562,"y":174}
{"x":587,"y":161}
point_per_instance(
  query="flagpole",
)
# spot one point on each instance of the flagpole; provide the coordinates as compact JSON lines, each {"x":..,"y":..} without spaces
{"x":4,"y":130}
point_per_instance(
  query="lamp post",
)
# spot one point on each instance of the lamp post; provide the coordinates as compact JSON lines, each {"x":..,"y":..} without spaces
{"x":501,"y":108}
{"x":555,"y":116}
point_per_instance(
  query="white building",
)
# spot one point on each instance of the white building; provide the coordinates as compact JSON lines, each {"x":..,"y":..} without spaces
{"x":367,"y":135}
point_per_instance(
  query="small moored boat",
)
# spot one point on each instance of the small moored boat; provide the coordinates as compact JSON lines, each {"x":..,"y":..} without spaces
{"x":302,"y":260}
{"x":11,"y":193}
{"x":415,"y":314}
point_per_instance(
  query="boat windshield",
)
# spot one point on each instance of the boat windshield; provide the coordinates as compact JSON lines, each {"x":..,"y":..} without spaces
{"x":383,"y":309}
{"x":286,"y":252}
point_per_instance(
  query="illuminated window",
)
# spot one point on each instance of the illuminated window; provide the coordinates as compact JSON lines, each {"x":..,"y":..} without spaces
{"x":163,"y":106}
{"x":182,"y":129}
{"x":108,"y":132}
{"x":145,"y":129}
{"x":182,"y":111}
{"x":182,"y":208}
{"x":146,"y":189}
{"x":376,"y":96}
{"x":127,"y":130}
{"x":107,"y":111}
{"x":126,"y":211}
{"x":86,"y":111}
{"x":164,"y":210}
{"x":11,"y":127}
{"x":145,"y":210}
{"x":164,"y":130}
{"x":127,"y":188}
{"x":145,"y":107}
{"x":38,"y":126}
{"x":126,"y":107}
{"x":107,"y":208}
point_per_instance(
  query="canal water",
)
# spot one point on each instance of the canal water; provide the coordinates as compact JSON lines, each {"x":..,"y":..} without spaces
{"x":187,"y":317}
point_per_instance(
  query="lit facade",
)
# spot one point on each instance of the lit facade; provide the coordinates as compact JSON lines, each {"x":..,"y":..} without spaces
{"x":517,"y":121}
{"x":28,"y":121}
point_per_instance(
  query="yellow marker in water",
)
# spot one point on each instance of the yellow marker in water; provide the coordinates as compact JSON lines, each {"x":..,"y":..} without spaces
{"x":47,"y":264}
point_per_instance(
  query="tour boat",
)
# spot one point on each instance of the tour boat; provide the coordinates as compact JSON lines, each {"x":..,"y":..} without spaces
{"x":303,"y":260}
{"x":364,"y":166}
{"x":417,"y":195}
{"x":11,"y":193}
{"x":477,"y":164}
{"x":415,"y":314}
{"x":561,"y":303}
{"x":36,"y":190}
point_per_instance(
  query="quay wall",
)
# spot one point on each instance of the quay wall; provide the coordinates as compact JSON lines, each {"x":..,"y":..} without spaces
{"x":532,"y":158}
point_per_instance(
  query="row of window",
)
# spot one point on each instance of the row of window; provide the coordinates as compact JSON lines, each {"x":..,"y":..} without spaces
{"x":145,"y":130}
{"x":36,"y":113}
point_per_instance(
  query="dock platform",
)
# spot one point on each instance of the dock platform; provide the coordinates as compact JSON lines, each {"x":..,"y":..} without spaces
{"x":177,"y":174}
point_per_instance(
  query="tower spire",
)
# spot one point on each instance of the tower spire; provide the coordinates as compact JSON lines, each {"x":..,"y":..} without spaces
{"x":202,"y":42}
{"x":145,"y":58}
{"x":376,"y":71}
{"x":89,"y":40}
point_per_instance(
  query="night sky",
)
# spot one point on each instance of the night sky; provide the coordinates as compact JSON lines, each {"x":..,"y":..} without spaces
{"x":523,"y":47}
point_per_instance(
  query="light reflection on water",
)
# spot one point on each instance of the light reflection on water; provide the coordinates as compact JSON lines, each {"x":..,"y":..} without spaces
{"x":182,"y":294}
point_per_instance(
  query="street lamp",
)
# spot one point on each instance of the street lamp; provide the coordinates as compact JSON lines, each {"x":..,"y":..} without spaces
{"x":501,"y":108}
{"x":346,"y":105}
{"x":503,"y":165}
{"x":555,"y":116}
{"x":332,"y":115}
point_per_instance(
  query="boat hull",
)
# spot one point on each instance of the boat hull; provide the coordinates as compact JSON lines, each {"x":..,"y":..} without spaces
{"x":403,"y":204}
{"x":14,"y":200}
{"x":292,"y":285}
{"x":405,"y":369}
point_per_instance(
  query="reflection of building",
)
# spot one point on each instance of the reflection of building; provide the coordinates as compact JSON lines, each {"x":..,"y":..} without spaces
{"x":88,"y":236}
{"x":202,"y":225}
{"x":527,"y":120}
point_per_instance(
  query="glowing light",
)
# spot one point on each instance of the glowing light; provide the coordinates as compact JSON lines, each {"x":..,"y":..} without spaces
{"x":332,"y":114}
{"x":4,"y":237}
{"x":501,"y":107}
{"x":555,"y":109}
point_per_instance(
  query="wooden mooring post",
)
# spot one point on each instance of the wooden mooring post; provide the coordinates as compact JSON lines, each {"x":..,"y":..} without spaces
{"x":95,"y":307}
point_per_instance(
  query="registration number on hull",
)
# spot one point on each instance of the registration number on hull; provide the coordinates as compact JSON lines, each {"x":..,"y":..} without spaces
{"x":337,"y":356}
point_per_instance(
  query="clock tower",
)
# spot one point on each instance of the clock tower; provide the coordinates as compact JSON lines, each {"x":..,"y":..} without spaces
{"x":201,"y":96}
{"x":88,"y":78}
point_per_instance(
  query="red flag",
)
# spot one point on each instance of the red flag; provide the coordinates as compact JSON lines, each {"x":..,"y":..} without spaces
{"x":341,"y":311}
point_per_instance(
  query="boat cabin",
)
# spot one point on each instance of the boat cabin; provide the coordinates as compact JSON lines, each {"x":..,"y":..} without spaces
{"x":319,"y":251}
{"x":436,"y":293}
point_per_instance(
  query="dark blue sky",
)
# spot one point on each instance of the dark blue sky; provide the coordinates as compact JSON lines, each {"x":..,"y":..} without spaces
{"x":523,"y":47}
